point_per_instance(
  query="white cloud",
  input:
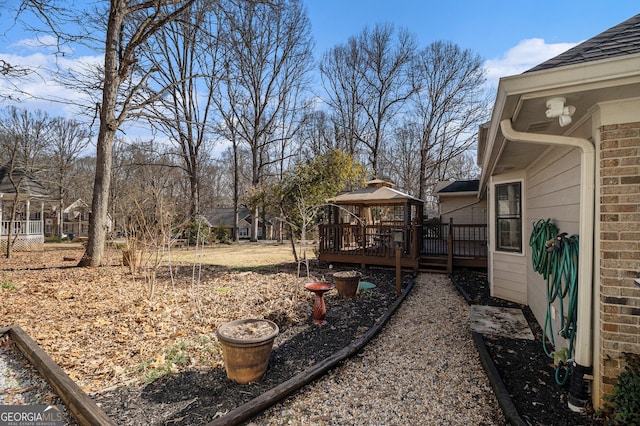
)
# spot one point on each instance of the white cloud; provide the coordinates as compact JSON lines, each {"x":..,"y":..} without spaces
{"x":39,"y":88}
{"x":525,"y":55}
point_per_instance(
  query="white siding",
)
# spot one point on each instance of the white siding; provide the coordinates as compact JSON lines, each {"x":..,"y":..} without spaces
{"x":553,"y":192}
{"x":464,"y":209}
{"x":508,"y":271}
{"x":508,"y":279}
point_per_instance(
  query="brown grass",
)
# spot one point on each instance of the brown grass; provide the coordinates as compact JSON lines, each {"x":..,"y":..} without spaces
{"x":103,"y":327}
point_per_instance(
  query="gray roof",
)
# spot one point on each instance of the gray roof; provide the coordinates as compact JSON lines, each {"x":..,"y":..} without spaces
{"x":460,"y":186}
{"x":620,"y":40}
{"x":27,"y":186}
{"x":225,"y":216}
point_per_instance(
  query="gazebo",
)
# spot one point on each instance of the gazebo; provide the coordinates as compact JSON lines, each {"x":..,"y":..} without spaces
{"x":26,"y":230}
{"x":365,"y":226}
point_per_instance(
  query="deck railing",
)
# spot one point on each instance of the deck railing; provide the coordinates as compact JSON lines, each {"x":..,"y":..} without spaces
{"x":372,"y":240}
{"x":21,"y":227}
{"x":462,"y":242}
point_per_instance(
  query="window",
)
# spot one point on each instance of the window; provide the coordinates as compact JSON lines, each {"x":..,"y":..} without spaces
{"x":509,"y":217}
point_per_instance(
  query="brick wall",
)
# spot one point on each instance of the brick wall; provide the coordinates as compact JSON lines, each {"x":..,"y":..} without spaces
{"x":619,"y":249}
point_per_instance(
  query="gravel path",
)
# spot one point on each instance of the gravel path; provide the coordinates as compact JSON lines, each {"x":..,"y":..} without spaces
{"x":423,"y":368}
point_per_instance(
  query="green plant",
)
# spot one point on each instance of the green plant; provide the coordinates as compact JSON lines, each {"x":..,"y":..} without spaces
{"x":199,"y":232}
{"x":165,"y":362}
{"x":222,"y":235}
{"x":623,"y":406}
{"x":8,"y":285}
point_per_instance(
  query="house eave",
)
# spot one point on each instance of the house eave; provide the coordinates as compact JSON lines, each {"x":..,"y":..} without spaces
{"x":521,"y":98}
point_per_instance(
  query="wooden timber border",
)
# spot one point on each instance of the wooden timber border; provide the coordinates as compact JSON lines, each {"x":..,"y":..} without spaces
{"x":267,"y":399}
{"x":83,"y":408}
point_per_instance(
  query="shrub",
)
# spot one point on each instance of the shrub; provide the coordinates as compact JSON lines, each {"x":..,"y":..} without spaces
{"x":623,"y":406}
{"x":199,"y":233}
{"x":222,"y":235}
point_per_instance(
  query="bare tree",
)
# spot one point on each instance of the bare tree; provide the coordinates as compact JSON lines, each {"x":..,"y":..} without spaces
{"x":23,"y":139}
{"x":448,"y":108}
{"x":343,"y":84}
{"x":369,"y":80}
{"x":268,"y":52}
{"x":127,"y":29}
{"x":69,"y":139}
{"x":318,"y":134}
{"x":400,"y":159}
{"x":185,"y":52}
{"x":27,"y":137}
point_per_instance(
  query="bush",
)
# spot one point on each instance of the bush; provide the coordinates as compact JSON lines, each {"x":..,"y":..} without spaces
{"x":199,"y":233}
{"x":623,"y":406}
{"x":222,"y":235}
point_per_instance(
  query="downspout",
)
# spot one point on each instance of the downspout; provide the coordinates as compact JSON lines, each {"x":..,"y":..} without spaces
{"x":583,"y":361}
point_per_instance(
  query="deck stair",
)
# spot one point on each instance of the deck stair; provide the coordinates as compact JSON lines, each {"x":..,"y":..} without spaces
{"x":433,"y":264}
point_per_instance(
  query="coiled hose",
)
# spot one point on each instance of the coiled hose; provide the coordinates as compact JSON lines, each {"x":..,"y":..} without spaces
{"x":555,"y":256}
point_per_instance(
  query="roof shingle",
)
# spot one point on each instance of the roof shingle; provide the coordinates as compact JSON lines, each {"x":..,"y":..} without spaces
{"x":620,"y":40}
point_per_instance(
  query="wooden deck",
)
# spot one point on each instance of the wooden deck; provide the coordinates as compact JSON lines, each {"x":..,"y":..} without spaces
{"x":428,"y":247}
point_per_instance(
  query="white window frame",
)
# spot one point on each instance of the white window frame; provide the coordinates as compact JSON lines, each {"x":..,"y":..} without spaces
{"x":511,"y":217}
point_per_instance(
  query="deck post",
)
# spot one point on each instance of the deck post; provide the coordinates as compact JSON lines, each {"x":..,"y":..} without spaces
{"x":450,"y":247}
{"x":398,"y":271}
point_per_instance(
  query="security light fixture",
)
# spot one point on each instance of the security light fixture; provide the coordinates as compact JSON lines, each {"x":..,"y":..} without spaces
{"x":556,"y":108}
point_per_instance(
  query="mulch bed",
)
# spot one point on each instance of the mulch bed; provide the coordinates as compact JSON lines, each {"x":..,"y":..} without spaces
{"x":199,"y":396}
{"x":525,"y":369}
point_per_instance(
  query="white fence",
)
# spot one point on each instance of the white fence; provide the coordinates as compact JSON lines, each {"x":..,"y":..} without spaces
{"x":24,"y":227}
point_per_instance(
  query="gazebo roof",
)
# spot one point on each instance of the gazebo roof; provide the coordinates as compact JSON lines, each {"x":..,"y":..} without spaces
{"x":27,"y":187}
{"x":377,"y":192}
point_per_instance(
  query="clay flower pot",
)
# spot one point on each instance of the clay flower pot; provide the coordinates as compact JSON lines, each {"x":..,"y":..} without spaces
{"x":347,"y":282}
{"x":246,"y":348}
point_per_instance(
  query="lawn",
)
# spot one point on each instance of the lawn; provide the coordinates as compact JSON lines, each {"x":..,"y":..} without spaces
{"x":105,"y":327}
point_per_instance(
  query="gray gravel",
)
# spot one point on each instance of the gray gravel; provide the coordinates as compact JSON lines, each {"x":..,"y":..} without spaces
{"x":22,"y":384}
{"x":423,"y":368}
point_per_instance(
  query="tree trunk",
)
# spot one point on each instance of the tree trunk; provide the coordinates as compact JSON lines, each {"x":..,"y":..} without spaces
{"x":98,"y":220}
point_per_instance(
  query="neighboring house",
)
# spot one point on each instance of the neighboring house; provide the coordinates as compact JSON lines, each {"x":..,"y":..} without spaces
{"x":224,"y":218}
{"x":563,"y":144}
{"x":458,"y":201}
{"x":75,"y":219}
{"x":27,"y":228}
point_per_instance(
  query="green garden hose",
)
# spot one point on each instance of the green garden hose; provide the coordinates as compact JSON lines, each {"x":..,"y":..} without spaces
{"x":555,"y":256}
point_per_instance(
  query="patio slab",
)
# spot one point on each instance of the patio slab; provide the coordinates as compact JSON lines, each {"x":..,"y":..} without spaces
{"x":497,"y":321}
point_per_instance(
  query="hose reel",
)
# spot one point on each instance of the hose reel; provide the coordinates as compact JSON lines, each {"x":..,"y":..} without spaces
{"x":555,"y":256}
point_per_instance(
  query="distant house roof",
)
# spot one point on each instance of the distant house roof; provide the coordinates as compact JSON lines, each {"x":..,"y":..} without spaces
{"x":225,"y":216}
{"x":376,"y":192}
{"x":77,"y":204}
{"x":27,"y":186}
{"x":456,"y":187}
{"x":620,"y":40}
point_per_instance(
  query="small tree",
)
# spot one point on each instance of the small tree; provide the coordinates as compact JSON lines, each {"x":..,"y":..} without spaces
{"x":306,"y":187}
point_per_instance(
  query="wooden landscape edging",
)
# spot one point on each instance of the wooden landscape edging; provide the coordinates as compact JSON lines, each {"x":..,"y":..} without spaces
{"x":273,"y":395}
{"x":83,"y":408}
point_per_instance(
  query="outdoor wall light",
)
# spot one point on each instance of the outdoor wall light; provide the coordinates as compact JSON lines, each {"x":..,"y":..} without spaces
{"x":556,"y":108}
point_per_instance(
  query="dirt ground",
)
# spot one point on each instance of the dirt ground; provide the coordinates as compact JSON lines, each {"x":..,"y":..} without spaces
{"x":108,"y":327}
{"x":145,"y":349}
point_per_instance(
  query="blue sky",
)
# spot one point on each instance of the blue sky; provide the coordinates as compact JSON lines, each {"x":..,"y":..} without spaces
{"x":510,"y":36}
{"x":488,"y":27}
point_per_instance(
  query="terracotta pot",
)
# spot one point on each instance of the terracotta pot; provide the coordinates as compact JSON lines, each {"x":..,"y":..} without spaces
{"x":246,"y":348}
{"x":347,"y":283}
